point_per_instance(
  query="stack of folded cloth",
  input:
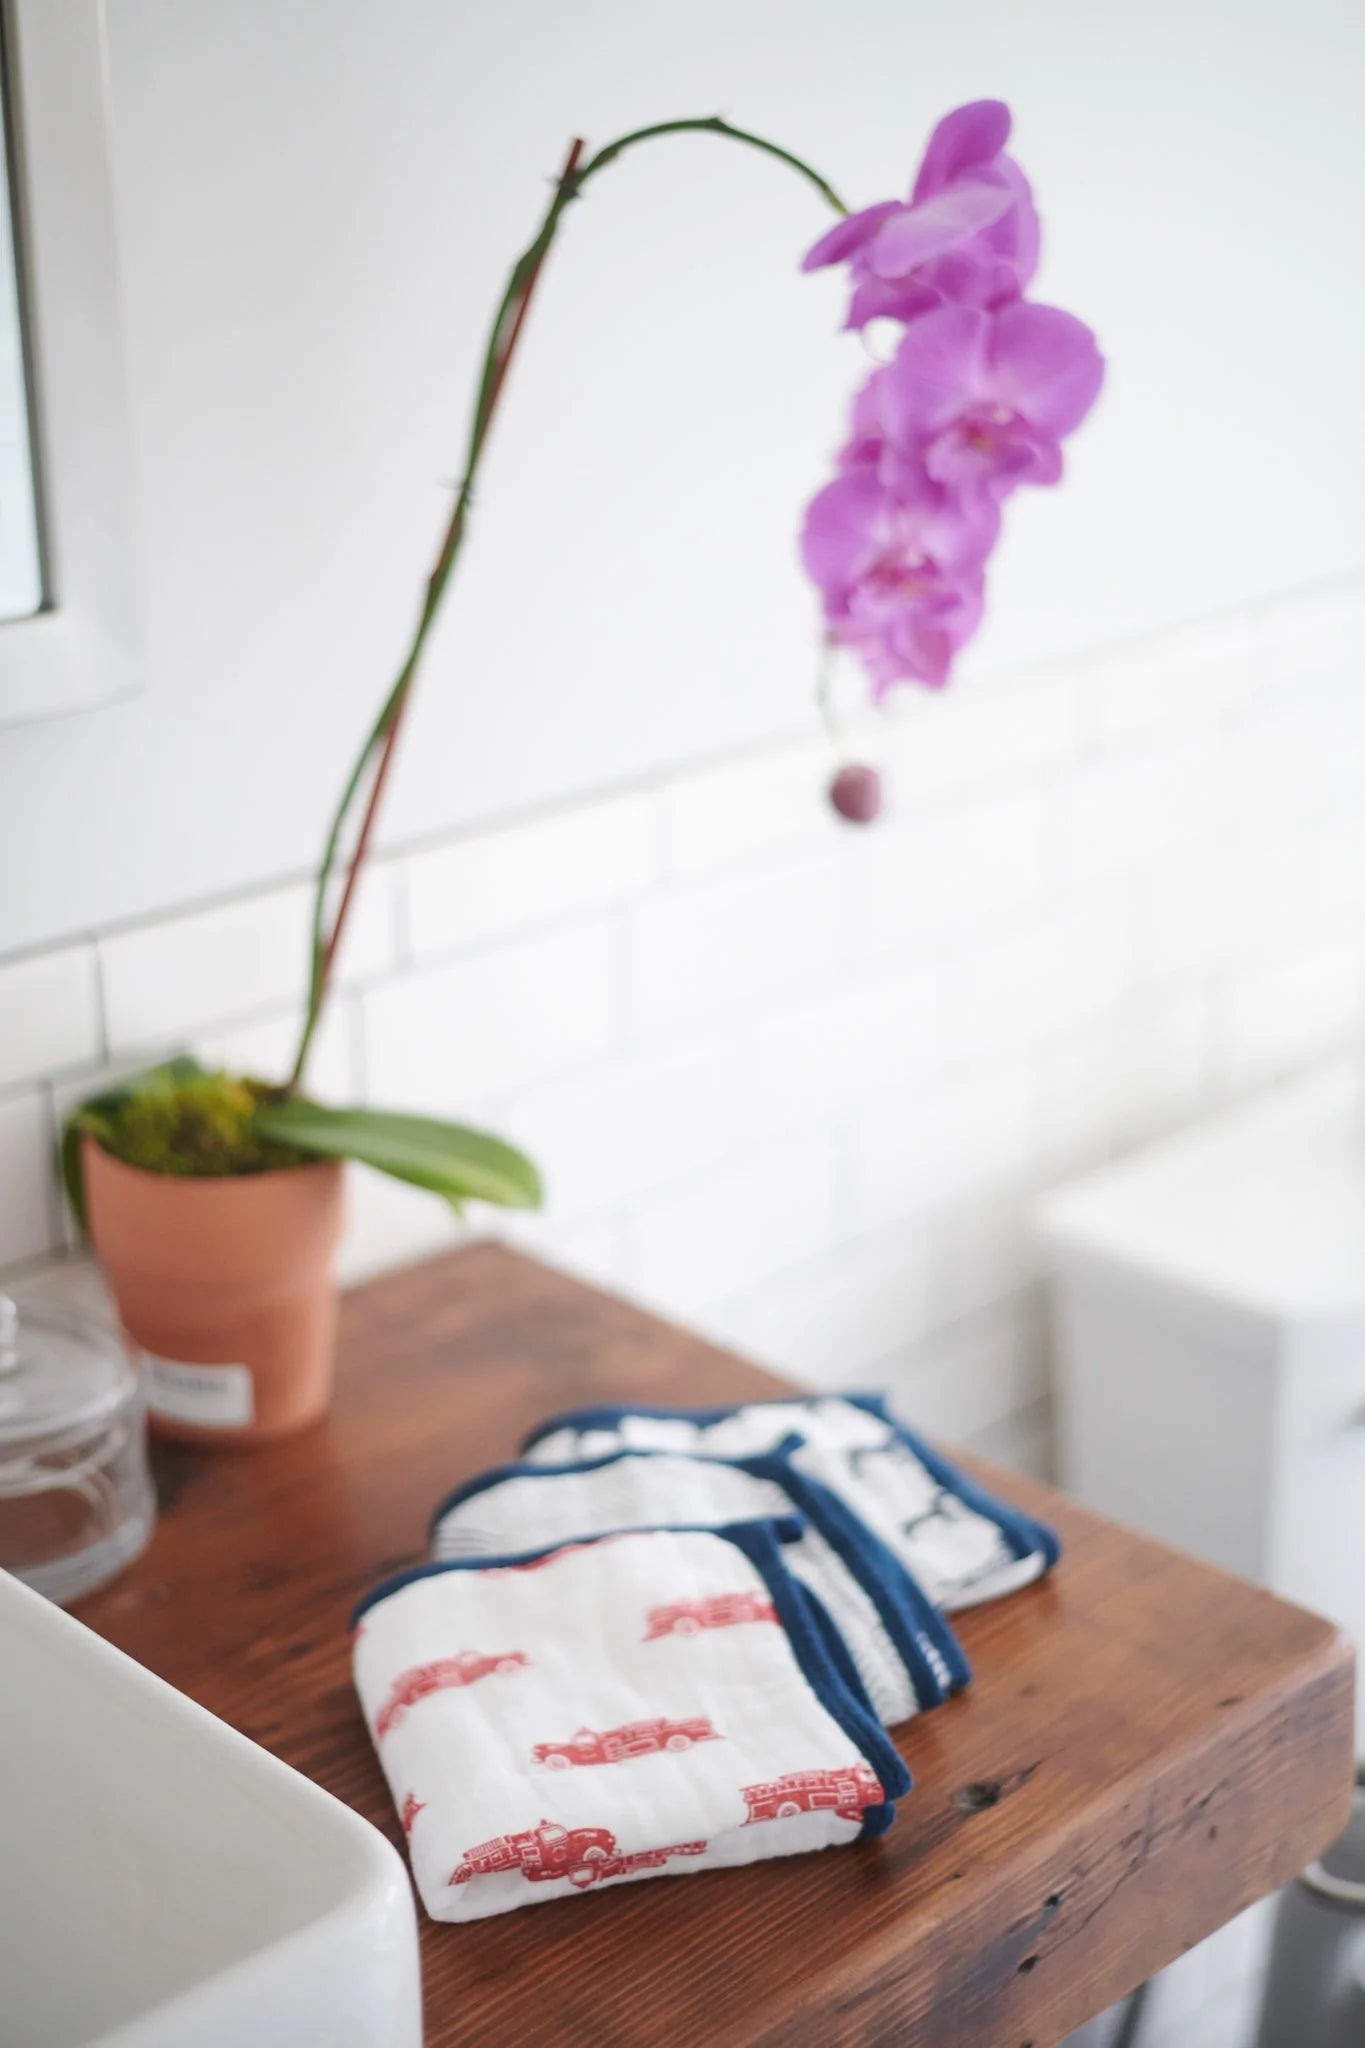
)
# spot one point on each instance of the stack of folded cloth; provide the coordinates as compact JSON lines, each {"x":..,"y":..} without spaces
{"x":669,"y":1640}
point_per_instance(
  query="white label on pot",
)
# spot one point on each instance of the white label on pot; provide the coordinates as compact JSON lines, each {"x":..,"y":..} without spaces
{"x":212,"y":1396}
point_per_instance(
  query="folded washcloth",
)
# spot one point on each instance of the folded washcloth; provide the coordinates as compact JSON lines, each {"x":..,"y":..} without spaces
{"x":638,"y":1705}
{"x":961,"y":1543}
{"x":905,"y":1652}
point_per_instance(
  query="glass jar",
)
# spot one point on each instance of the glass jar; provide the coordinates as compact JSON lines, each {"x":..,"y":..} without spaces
{"x":76,"y":1499}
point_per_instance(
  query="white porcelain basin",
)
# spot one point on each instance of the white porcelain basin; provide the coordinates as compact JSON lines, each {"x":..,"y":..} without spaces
{"x":164,"y":1883}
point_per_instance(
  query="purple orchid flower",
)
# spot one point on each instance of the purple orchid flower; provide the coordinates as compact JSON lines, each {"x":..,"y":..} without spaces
{"x":980,"y":401}
{"x":865,"y":447}
{"x":968,"y":235}
{"x":984,"y":388}
{"x":899,"y":572}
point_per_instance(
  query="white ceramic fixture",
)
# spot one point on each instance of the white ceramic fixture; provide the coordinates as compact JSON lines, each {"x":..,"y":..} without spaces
{"x":1209,"y":1301}
{"x":165,"y":1883}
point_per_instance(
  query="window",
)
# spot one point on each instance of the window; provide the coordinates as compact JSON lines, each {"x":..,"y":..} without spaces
{"x":21,"y":576}
{"x":68,"y":613}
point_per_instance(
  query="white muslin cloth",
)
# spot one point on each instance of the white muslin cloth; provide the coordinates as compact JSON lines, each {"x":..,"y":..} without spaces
{"x":958,"y":1541}
{"x":645,"y":1704}
{"x":905,"y":1652}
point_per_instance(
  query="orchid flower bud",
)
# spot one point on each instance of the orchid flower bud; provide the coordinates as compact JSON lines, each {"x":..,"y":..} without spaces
{"x":856,"y":793}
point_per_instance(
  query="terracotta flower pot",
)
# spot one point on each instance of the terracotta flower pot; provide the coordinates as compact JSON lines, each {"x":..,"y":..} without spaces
{"x":227,"y":1286}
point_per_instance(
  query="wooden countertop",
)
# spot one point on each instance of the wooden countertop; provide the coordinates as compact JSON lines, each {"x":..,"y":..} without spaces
{"x":1148,"y":1745}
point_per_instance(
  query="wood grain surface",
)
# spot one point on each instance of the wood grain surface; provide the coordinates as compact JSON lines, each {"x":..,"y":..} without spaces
{"x":1148,"y":1745}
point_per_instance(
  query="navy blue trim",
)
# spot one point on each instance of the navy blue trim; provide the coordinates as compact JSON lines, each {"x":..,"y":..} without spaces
{"x":826,"y":1666}
{"x":876,"y":1819}
{"x":1025,"y":1537}
{"x":782,"y":1529}
{"x":906,"y":1612}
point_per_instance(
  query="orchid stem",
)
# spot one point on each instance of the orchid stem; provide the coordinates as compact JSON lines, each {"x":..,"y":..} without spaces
{"x":824,"y":693}
{"x":377,"y":752}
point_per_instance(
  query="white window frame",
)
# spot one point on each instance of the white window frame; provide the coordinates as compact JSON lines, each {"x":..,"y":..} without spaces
{"x":83,"y":647}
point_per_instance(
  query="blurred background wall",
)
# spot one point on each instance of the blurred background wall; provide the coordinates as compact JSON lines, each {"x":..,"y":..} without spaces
{"x":788,"y":1081}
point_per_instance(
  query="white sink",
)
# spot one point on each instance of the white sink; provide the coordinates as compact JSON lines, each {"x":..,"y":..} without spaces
{"x":164,"y":1883}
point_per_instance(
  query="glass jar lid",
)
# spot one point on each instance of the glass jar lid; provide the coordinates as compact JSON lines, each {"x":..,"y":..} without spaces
{"x":59,"y":1372}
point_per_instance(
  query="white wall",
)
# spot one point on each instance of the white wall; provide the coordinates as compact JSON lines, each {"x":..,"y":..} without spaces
{"x":797,"y":1083}
{"x":317,"y":200}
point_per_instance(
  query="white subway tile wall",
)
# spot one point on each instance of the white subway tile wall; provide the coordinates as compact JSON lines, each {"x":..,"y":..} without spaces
{"x":49,"y":1014}
{"x":962,"y":1138}
{"x":28,"y":1223}
{"x":501,"y":1017}
{"x":753,"y":806}
{"x":195,"y":972}
{"x":792,"y":1081}
{"x":525,"y":877}
{"x":762,"y":1212}
{"x":723,"y":949}
{"x":947,"y":873}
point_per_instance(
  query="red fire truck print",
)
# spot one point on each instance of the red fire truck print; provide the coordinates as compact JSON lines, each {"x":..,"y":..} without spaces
{"x":412,"y":1806}
{"x":540,"y":1853}
{"x":845,"y":1792}
{"x":720,"y":1610}
{"x":615,"y":1745}
{"x":644,"y":1859}
{"x":582,"y":1855}
{"x":464,"y":1668}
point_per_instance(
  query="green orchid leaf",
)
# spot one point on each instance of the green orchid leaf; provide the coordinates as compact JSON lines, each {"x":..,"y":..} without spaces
{"x":449,"y":1159}
{"x":95,"y":1118}
{"x":74,"y":1131}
